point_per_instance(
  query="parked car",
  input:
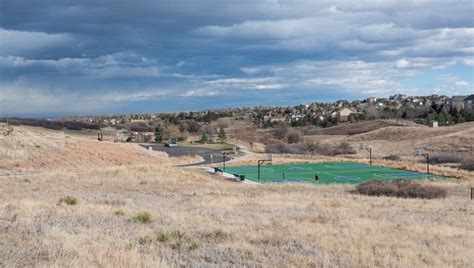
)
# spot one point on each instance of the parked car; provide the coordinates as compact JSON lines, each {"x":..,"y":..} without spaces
{"x":171,"y":144}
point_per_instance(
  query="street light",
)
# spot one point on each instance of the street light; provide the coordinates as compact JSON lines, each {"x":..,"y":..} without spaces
{"x":362,"y":147}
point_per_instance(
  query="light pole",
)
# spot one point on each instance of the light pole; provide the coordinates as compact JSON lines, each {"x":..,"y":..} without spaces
{"x":418,"y":152}
{"x":362,"y":147}
{"x":370,"y":155}
{"x":224,"y":156}
{"x":427,"y":156}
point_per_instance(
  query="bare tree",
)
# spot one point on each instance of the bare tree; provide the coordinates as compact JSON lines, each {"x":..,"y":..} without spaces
{"x":281,"y":131}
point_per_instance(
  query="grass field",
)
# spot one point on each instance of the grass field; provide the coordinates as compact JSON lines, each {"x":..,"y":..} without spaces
{"x":199,"y":219}
{"x":328,"y":173}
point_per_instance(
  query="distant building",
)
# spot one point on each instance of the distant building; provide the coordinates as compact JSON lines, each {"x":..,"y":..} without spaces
{"x":342,"y":114}
{"x":296,"y":116}
{"x":457,"y":102}
{"x":398,"y":97}
{"x":371,"y":99}
{"x":469,"y":103}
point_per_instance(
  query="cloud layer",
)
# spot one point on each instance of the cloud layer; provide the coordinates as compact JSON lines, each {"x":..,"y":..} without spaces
{"x":60,"y":57}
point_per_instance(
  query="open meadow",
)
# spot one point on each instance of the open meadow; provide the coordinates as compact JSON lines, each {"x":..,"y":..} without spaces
{"x":73,"y":201}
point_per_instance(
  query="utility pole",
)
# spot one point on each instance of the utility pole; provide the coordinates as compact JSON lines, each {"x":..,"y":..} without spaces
{"x":224,"y":156}
{"x":427,"y":156}
{"x":370,"y":155}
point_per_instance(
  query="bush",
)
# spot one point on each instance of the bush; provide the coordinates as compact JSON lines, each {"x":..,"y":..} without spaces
{"x":444,"y":158}
{"x":119,"y":212}
{"x":143,"y":217}
{"x":145,"y":240}
{"x":308,"y":148}
{"x":178,"y":239}
{"x":70,"y":200}
{"x":294,"y":137}
{"x":467,"y":164}
{"x":400,"y":188}
{"x":343,"y":148}
{"x":281,"y":130}
{"x":392,"y":157}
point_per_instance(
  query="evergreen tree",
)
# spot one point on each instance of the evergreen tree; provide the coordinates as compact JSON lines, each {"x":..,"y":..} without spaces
{"x":222,"y":136}
{"x":158,"y":134}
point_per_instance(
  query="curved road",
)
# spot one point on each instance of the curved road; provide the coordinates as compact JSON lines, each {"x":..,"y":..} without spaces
{"x":217,"y":156}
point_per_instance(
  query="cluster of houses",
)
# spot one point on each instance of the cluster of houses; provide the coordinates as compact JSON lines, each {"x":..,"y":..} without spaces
{"x":343,"y":111}
{"x":340,"y":111}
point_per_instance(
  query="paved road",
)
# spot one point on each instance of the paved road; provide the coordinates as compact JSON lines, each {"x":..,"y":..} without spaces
{"x":217,"y":156}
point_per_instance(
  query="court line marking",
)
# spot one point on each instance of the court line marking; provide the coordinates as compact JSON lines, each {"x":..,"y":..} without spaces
{"x":301,"y":168}
{"x":249,"y":170}
{"x":335,"y":176}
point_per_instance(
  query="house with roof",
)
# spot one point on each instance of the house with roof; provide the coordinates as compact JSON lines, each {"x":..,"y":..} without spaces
{"x":457,"y":102}
{"x":342,"y":114}
{"x":469,"y":103}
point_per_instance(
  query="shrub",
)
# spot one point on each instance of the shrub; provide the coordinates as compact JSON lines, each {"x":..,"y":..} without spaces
{"x":70,"y":200}
{"x":444,"y":158}
{"x":467,"y":164}
{"x":392,"y":157}
{"x":164,"y":237}
{"x":281,"y":130}
{"x":145,"y":240}
{"x":143,"y":217}
{"x":308,"y":148}
{"x":294,"y":137}
{"x":194,"y":246}
{"x":343,"y":148}
{"x":177,"y":238}
{"x":376,"y":188}
{"x":119,"y":212}
{"x":219,"y":233}
{"x":400,"y":188}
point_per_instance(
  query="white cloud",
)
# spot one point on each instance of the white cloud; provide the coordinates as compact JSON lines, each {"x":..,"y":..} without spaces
{"x":402,"y":63}
{"x":462,"y":83}
{"x":202,"y":92}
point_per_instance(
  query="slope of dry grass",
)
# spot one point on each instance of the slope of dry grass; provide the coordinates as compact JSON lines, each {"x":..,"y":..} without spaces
{"x":394,"y":133}
{"x":38,"y":149}
{"x":224,"y":223}
{"x":200,"y":219}
{"x":400,"y":140}
{"x":353,"y":128}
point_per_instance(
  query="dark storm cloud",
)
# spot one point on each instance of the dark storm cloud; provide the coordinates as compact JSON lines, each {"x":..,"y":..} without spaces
{"x":139,"y":55}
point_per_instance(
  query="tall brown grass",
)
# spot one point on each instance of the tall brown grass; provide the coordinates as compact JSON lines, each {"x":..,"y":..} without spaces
{"x":199,"y":219}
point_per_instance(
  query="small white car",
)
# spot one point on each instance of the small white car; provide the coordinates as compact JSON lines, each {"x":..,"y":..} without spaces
{"x":169,"y":144}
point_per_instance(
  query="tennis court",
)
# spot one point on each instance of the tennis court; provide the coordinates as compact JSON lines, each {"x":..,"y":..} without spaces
{"x":329,"y":172}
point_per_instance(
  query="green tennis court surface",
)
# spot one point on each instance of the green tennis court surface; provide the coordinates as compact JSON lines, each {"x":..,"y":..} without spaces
{"x":329,"y":172}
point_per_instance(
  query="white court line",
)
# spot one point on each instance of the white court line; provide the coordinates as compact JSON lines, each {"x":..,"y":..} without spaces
{"x":335,"y":176}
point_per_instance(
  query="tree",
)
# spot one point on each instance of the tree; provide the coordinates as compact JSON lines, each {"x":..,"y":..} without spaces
{"x":294,"y":137}
{"x":222,"y":136}
{"x":206,"y":138}
{"x":281,"y":131}
{"x":158,"y":134}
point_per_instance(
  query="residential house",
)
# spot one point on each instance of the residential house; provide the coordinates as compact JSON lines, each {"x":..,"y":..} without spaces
{"x":469,"y":103}
{"x":342,"y":114}
{"x":457,"y":102}
{"x":398,"y":97}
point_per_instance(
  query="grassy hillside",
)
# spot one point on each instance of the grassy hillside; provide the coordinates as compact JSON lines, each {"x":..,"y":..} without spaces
{"x":198,"y":219}
{"x":353,"y":128}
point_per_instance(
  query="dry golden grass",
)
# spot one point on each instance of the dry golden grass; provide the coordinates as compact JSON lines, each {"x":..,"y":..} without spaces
{"x":38,"y":149}
{"x":200,"y":219}
{"x":401,"y":140}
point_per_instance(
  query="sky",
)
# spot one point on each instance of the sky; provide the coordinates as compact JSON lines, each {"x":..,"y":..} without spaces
{"x":73,"y":57}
